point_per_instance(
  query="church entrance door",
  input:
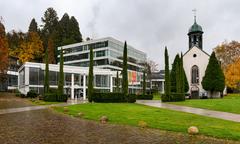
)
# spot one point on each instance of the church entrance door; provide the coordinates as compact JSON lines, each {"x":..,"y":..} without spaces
{"x":195,"y":92}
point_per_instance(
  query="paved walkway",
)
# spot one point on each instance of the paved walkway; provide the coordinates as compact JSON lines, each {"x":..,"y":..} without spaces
{"x":29,"y":108}
{"x":198,"y":111}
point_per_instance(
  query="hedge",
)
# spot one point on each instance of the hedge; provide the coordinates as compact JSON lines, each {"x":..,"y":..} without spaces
{"x":54,"y":97}
{"x":174,"y":97}
{"x":32,"y":94}
{"x":145,"y":97}
{"x":113,"y":98}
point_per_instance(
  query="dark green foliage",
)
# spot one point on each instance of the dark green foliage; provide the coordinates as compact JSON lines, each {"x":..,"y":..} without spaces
{"x":178,"y":80}
{"x":113,"y":98}
{"x":125,"y":71}
{"x":53,"y":96}
{"x":117,"y":83}
{"x":131,"y":98}
{"x":61,"y":76}
{"x":33,"y":27}
{"x":108,"y":97}
{"x":166,"y":97}
{"x":173,"y":76}
{"x":213,"y":80}
{"x":32,"y":94}
{"x":50,"y":21}
{"x":144,"y":83}
{"x":145,"y":97}
{"x":46,"y":76}
{"x":90,"y":76}
{"x":173,"y":73}
{"x":177,"y":97}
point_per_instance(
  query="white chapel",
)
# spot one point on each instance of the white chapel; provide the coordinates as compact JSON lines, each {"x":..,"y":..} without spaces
{"x":195,"y":61}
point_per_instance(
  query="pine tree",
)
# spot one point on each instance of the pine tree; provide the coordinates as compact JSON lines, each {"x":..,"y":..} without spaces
{"x":125,"y":71}
{"x":117,"y":83}
{"x":46,"y":76}
{"x":75,"y":30}
{"x":90,"y":76}
{"x":61,"y":77}
{"x":213,"y":81}
{"x":144,"y":83}
{"x":33,"y":27}
{"x":167,"y":95}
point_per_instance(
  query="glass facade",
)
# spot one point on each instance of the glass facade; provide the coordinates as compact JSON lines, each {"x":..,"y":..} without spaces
{"x":111,"y":55}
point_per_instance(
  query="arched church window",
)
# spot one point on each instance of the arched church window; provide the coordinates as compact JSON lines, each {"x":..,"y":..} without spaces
{"x":195,"y":75}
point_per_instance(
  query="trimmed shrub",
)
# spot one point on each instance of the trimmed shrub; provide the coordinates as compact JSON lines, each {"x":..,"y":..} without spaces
{"x":108,"y":97}
{"x":54,"y":97}
{"x":131,"y":98}
{"x":50,"y":97}
{"x":32,"y":94}
{"x":145,"y":97}
{"x":164,"y":98}
{"x":177,"y":97}
{"x":113,"y":97}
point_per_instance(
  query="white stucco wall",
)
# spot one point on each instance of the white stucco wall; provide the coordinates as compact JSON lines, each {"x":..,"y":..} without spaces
{"x":201,"y":60}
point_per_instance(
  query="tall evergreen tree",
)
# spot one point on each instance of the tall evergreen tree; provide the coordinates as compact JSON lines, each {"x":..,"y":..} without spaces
{"x":167,"y":95}
{"x":33,"y":27}
{"x":50,"y":20}
{"x":50,"y":25}
{"x":173,"y":74}
{"x":46,"y":76}
{"x":117,"y":83}
{"x":144,"y":82}
{"x":214,"y":80}
{"x":75,"y":30}
{"x":125,"y":71}
{"x":61,"y":77}
{"x":90,"y":76}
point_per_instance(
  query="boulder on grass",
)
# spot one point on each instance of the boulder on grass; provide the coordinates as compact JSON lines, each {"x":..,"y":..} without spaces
{"x":103,"y":119}
{"x":142,"y":124}
{"x":193,"y":130}
{"x":80,"y":114}
{"x":65,"y":109}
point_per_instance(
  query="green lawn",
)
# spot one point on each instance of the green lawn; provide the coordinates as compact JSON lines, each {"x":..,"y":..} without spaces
{"x":131,"y":114}
{"x":230,"y":103}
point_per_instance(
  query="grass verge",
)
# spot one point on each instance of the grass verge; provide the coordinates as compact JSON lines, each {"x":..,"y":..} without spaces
{"x":131,"y":114}
{"x":230,"y":103}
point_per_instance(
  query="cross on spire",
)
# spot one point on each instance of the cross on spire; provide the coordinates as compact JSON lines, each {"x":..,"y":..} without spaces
{"x":194,"y":12}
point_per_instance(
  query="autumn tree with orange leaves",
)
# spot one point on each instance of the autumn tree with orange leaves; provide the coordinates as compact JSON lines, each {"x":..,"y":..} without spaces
{"x":3,"y":54}
{"x":232,"y":74}
{"x":30,"y":49}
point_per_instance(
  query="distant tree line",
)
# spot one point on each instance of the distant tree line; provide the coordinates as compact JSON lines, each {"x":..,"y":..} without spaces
{"x":31,"y":46}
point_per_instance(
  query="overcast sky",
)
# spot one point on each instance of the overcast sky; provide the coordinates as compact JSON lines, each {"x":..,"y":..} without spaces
{"x":147,"y":25}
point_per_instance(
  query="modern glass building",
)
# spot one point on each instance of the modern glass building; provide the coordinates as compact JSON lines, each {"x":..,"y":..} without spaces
{"x":31,"y":77}
{"x":108,"y":54}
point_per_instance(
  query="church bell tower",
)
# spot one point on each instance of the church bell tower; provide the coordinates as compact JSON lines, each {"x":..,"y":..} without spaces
{"x":195,"y":34}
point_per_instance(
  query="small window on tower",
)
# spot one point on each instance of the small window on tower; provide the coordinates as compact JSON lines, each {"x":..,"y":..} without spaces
{"x":194,"y":55}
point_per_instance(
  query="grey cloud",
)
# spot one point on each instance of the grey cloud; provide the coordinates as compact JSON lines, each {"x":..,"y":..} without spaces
{"x":148,"y":25}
